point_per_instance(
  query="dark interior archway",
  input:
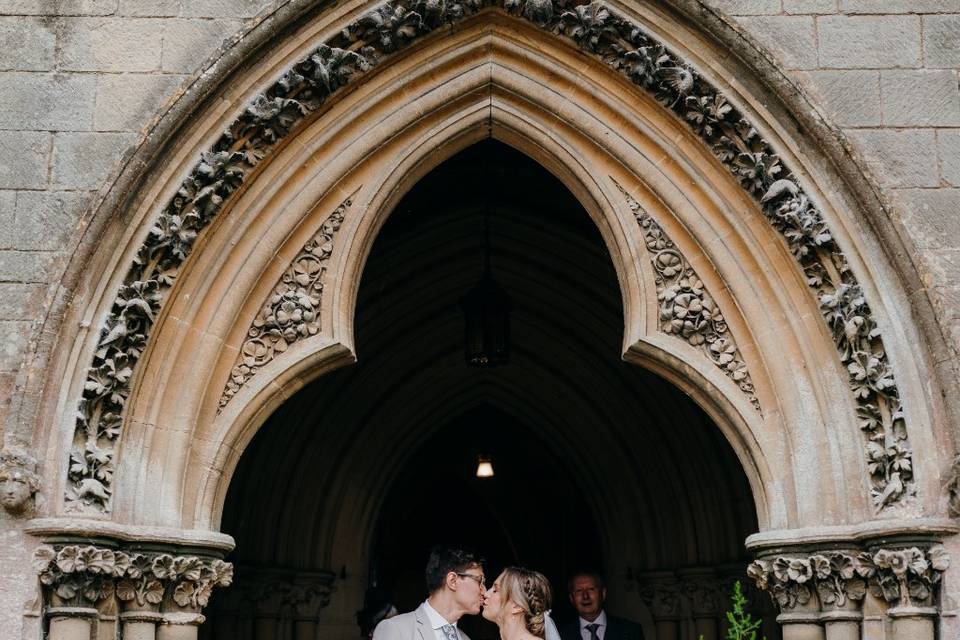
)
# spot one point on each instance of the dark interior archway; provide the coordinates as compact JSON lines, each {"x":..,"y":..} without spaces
{"x":598,"y":462}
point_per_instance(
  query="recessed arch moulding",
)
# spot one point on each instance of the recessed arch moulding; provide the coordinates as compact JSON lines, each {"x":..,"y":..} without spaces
{"x":790,"y":406}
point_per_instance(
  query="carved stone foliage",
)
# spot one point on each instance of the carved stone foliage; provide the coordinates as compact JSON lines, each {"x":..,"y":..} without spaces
{"x":900,"y":576}
{"x":84,"y":576}
{"x":686,"y":308}
{"x":663,"y":598}
{"x":19,"y":481}
{"x":270,"y":591}
{"x":704,"y":595}
{"x":292,"y":312}
{"x":386,"y":29}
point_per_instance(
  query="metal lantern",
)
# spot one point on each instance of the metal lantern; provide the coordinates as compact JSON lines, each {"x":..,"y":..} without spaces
{"x":486,"y":310}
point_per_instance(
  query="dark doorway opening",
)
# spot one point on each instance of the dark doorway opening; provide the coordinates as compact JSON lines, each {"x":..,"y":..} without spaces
{"x":530,"y":513}
{"x":598,"y":463}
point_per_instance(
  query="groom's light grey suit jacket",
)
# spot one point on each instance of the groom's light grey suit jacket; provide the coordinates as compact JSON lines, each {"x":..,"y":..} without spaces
{"x":409,"y":626}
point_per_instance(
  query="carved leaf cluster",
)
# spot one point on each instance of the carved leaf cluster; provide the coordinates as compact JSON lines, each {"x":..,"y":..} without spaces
{"x":292,"y":312}
{"x":85,"y":575}
{"x":389,"y":27}
{"x":686,"y":309}
{"x":900,"y":576}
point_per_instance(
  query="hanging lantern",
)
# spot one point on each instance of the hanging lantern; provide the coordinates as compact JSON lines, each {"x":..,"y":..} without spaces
{"x":486,"y":310}
{"x":484,"y":467}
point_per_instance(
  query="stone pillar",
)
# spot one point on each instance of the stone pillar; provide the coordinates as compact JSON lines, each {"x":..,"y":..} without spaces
{"x":908,"y":578}
{"x":179,"y":624}
{"x":159,"y":596}
{"x":71,"y":623}
{"x":791,"y":582}
{"x":309,"y":595}
{"x":662,"y":595}
{"x":703,"y":593}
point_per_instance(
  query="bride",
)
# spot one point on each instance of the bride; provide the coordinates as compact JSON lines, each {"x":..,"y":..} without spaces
{"x":519,"y":602}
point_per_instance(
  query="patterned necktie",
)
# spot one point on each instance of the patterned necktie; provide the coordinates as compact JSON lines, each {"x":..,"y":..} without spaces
{"x":592,"y":628}
{"x":449,"y":632}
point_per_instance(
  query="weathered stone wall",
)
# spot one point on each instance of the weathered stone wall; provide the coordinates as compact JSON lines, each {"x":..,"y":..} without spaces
{"x":82,"y":80}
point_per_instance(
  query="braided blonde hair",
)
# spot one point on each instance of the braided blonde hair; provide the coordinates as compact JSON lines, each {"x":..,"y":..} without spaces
{"x":529,"y":590}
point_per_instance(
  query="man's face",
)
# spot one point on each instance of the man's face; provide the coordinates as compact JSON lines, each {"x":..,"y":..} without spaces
{"x":470,"y":589}
{"x":587,"y":597}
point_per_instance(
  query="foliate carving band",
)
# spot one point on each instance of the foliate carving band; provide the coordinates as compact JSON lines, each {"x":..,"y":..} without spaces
{"x":389,"y":27}
{"x":86,"y":575}
{"x":292,"y":312}
{"x":686,"y":308}
{"x":906,"y":577}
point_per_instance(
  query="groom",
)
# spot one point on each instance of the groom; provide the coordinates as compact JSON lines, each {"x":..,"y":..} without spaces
{"x":455,"y":582}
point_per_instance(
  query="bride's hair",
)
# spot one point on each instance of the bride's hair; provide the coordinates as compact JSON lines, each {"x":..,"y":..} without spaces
{"x":529,"y":590}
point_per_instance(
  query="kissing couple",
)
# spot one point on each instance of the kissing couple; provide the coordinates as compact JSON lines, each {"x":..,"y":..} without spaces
{"x":518,"y":602}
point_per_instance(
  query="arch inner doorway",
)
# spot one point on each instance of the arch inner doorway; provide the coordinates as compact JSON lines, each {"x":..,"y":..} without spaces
{"x":598,"y":463}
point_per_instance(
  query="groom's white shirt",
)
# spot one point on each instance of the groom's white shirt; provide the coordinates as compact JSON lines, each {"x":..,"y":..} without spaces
{"x":437,"y":621}
{"x":418,"y":624}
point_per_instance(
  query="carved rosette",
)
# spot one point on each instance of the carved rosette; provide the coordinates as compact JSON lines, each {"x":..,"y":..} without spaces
{"x":905,"y":577}
{"x":686,"y":308}
{"x":292,"y":312}
{"x":85,"y":576}
{"x":386,"y":29}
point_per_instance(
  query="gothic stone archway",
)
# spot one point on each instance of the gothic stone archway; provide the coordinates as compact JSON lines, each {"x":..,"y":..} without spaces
{"x":810,"y":375}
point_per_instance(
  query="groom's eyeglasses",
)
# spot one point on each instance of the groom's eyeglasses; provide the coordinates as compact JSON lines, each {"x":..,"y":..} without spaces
{"x":478,"y":579}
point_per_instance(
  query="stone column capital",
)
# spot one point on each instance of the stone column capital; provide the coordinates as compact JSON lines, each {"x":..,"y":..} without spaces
{"x":662,"y":596}
{"x":839,"y":579}
{"x":704,"y":592}
{"x":86,"y":575}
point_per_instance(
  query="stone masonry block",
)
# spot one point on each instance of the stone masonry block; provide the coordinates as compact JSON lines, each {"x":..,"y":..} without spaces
{"x":8,"y":201}
{"x":897,"y":6}
{"x":149,"y":8}
{"x":35,"y":40}
{"x":188,"y":43}
{"x":869,"y":42}
{"x":920,"y":98}
{"x":24,"y":159}
{"x":941,"y":40}
{"x":850,"y":98}
{"x":14,"y":339}
{"x":44,"y":220}
{"x":59,"y":8}
{"x":22,"y":301}
{"x":900,"y":158}
{"x":810,"y":6}
{"x":29,"y":266}
{"x":46,"y":101}
{"x":791,"y":38}
{"x":948,"y":148}
{"x":111,"y":44}
{"x":126,"y":102}
{"x":84,"y":160}
{"x":224,"y":8}
{"x":930,"y":217}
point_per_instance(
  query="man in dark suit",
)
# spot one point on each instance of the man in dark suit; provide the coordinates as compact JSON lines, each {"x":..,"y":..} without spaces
{"x":587,"y":593}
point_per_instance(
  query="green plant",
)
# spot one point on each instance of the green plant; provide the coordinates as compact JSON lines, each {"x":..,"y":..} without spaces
{"x":743,"y":626}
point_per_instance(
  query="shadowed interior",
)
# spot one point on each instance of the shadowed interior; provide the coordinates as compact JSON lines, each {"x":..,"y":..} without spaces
{"x":598,"y":463}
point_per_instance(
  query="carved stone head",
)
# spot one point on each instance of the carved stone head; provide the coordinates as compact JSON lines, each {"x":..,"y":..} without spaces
{"x":19,"y":481}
